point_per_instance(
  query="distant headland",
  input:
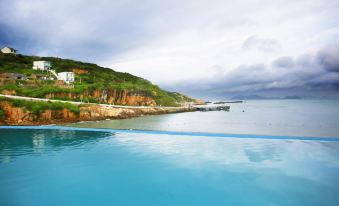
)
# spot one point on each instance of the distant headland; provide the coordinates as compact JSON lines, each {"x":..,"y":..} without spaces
{"x":74,"y":81}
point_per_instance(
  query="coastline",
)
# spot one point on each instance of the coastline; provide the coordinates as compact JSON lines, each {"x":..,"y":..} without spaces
{"x":59,"y":112}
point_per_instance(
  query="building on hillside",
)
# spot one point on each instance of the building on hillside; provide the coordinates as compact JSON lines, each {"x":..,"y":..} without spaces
{"x":8,"y":50}
{"x":42,"y":65}
{"x":13,"y":76}
{"x":62,"y":84}
{"x":41,"y":77}
{"x":18,"y":76}
{"x":67,"y":77}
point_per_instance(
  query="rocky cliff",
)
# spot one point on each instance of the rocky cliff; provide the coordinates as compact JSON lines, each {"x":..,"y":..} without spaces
{"x":108,"y":96}
{"x":16,"y":115}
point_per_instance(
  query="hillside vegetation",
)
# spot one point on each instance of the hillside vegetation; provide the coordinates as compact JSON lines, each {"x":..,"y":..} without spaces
{"x":96,"y":78}
{"x":37,"y":107}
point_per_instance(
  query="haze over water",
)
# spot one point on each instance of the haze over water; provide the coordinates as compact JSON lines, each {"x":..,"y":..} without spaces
{"x":268,"y":117}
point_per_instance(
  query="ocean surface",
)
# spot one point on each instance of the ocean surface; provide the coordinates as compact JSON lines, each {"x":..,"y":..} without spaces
{"x":318,"y":118}
{"x":41,"y":167}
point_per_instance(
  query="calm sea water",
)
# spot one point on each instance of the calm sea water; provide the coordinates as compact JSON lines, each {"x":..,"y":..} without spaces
{"x":63,"y":167}
{"x":268,"y":117}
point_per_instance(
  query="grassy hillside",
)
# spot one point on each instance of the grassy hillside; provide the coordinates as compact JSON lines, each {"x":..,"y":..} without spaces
{"x":96,"y":78}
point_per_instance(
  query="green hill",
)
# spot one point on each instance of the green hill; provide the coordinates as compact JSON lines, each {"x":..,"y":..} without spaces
{"x":91,"y":84}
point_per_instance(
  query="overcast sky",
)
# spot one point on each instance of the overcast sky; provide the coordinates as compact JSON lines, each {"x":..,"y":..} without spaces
{"x":212,"y":49}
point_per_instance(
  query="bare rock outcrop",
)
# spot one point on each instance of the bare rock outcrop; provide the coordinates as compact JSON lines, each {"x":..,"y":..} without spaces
{"x":14,"y":115}
{"x":108,"y":96}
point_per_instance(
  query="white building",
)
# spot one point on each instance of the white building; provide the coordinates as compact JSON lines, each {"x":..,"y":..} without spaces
{"x":42,"y":65}
{"x":67,"y":77}
{"x":8,"y":50}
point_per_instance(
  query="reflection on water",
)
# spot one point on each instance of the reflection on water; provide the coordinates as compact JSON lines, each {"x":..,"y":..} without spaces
{"x":285,"y":155}
{"x":34,"y":142}
{"x":61,"y":167}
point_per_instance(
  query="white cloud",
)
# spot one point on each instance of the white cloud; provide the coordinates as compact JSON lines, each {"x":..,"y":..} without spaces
{"x":178,"y":43}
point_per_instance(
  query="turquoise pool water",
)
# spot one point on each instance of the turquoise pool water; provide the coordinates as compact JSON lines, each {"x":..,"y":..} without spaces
{"x":70,"y":167}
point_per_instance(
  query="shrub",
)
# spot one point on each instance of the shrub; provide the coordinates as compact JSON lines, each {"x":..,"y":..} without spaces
{"x":2,"y":114}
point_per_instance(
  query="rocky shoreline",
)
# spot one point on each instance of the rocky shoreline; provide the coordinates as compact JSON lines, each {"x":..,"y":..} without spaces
{"x":16,"y":115}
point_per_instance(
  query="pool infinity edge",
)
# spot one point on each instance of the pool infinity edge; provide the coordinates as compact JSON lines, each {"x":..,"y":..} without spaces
{"x":178,"y":133}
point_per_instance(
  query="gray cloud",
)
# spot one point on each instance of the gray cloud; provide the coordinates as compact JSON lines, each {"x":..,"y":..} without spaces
{"x":261,"y":44}
{"x":284,"y":62}
{"x":329,"y":58}
{"x":306,"y":60}
{"x":84,"y":30}
{"x":309,"y":74}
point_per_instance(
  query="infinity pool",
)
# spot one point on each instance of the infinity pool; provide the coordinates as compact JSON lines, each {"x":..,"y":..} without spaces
{"x":70,"y":167}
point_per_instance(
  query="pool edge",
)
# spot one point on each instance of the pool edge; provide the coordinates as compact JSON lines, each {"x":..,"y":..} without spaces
{"x":179,"y":133}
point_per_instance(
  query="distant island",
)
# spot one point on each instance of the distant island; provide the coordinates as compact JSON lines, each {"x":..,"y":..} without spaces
{"x":291,"y":97}
{"x":258,"y":97}
{"x":227,"y":102}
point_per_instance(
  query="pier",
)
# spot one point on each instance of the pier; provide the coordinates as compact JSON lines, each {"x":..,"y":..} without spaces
{"x":212,"y":108}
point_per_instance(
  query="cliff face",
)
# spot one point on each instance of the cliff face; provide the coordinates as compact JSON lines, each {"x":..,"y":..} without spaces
{"x":109,"y":96}
{"x":20,"y":116}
